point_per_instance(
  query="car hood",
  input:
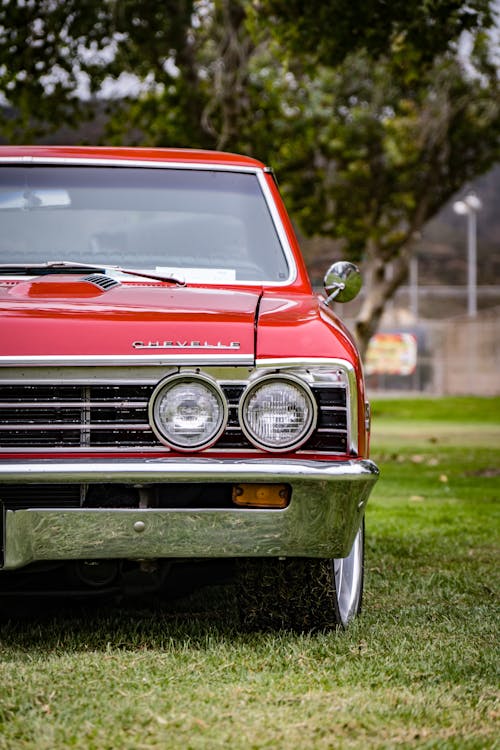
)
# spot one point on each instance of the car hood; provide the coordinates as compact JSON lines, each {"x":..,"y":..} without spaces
{"x":64,"y":315}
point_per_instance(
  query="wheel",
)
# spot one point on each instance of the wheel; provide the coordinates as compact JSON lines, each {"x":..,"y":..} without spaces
{"x":349,"y":578}
{"x":301,"y":594}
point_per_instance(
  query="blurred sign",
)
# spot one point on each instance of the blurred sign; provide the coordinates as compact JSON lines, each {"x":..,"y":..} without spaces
{"x":391,"y":354}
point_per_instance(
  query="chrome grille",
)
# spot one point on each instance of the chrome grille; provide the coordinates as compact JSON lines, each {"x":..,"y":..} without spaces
{"x":74,"y":416}
{"x":97,"y":416}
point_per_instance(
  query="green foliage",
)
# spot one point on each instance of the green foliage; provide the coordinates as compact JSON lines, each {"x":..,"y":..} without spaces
{"x":332,"y":30}
{"x":369,"y":160}
{"x":52,"y":49}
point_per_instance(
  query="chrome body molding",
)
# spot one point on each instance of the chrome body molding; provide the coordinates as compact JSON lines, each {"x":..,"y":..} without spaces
{"x":125,"y":360}
{"x":148,"y":370}
{"x":322,"y":519}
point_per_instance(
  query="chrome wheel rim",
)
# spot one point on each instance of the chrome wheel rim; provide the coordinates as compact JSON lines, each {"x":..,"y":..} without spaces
{"x":349,"y":579}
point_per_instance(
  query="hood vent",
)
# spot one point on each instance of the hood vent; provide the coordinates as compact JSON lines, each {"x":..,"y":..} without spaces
{"x":102,"y":281}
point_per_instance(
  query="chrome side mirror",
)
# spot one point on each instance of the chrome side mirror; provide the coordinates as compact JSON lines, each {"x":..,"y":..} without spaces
{"x":342,"y":282}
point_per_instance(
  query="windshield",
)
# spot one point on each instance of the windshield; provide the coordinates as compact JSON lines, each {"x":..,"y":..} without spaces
{"x":208,"y":226}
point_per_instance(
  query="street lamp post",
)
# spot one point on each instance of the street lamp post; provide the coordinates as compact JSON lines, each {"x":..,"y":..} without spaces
{"x":413,"y":279}
{"x":469,"y":207}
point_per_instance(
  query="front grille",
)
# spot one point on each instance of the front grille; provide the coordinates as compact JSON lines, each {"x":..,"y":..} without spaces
{"x":75,"y":416}
{"x":115,"y":416}
{"x":69,"y":496}
{"x":20,"y":497}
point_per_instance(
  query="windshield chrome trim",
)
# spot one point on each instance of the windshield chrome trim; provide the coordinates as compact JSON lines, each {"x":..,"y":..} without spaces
{"x":99,"y":161}
{"x":280,"y":230}
{"x":194,"y":166}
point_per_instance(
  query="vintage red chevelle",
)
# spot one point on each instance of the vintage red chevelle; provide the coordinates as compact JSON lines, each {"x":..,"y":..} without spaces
{"x":172,"y":391}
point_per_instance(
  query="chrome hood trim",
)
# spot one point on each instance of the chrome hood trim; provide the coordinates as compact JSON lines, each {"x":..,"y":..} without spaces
{"x":123,"y":360}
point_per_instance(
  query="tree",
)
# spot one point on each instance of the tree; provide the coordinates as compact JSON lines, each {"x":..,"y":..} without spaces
{"x":380,"y":158}
{"x":390,"y":118}
{"x":331,"y":30}
{"x":375,"y":120}
{"x":54,"y":54}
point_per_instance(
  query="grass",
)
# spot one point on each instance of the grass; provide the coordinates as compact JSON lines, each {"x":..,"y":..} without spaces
{"x":419,"y":669}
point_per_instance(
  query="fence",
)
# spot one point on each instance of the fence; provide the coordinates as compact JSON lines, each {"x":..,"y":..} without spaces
{"x":457,"y":356}
{"x":467,"y":355}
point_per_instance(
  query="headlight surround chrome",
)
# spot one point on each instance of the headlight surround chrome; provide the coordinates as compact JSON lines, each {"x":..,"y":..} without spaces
{"x":188,"y":411}
{"x":278,"y":413}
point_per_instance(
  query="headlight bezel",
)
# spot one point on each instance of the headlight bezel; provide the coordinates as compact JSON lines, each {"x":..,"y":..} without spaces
{"x":166,"y":385}
{"x":304,"y":436}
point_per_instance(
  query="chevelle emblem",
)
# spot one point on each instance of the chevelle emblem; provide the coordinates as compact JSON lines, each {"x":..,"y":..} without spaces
{"x":185,"y":345}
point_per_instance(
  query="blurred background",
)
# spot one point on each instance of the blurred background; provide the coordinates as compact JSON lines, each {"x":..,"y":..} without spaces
{"x":440,"y":331}
{"x":381,"y":120}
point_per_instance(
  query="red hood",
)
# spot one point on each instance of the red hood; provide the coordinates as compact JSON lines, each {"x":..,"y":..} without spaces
{"x":64,"y":315}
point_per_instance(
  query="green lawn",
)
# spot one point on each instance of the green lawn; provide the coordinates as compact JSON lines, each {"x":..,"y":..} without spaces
{"x":418,"y":669}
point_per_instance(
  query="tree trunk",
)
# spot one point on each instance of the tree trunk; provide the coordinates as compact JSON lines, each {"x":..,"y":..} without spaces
{"x":379,"y":289}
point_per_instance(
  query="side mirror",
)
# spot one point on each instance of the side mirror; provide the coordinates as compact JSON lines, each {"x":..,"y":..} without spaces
{"x":342,"y":282}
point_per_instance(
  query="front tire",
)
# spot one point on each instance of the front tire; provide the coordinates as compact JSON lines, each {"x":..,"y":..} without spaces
{"x":301,"y":594}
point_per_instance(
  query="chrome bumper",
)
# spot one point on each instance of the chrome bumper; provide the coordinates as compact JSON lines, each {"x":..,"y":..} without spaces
{"x":327,"y":505}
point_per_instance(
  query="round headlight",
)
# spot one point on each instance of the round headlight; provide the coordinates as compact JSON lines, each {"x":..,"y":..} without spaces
{"x":188,"y":412}
{"x":278,"y":413}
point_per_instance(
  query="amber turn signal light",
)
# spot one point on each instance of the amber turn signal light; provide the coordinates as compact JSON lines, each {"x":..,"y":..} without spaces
{"x":261,"y":495}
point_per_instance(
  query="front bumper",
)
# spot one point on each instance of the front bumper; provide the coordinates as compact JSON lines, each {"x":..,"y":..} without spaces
{"x":326,"y":508}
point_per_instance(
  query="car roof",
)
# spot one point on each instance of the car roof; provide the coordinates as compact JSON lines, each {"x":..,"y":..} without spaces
{"x":107,"y":153}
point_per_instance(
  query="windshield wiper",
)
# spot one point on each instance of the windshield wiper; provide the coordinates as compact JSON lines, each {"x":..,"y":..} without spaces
{"x":68,"y":266}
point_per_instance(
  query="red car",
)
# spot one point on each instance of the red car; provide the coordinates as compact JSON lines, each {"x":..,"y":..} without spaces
{"x":172,"y":391}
